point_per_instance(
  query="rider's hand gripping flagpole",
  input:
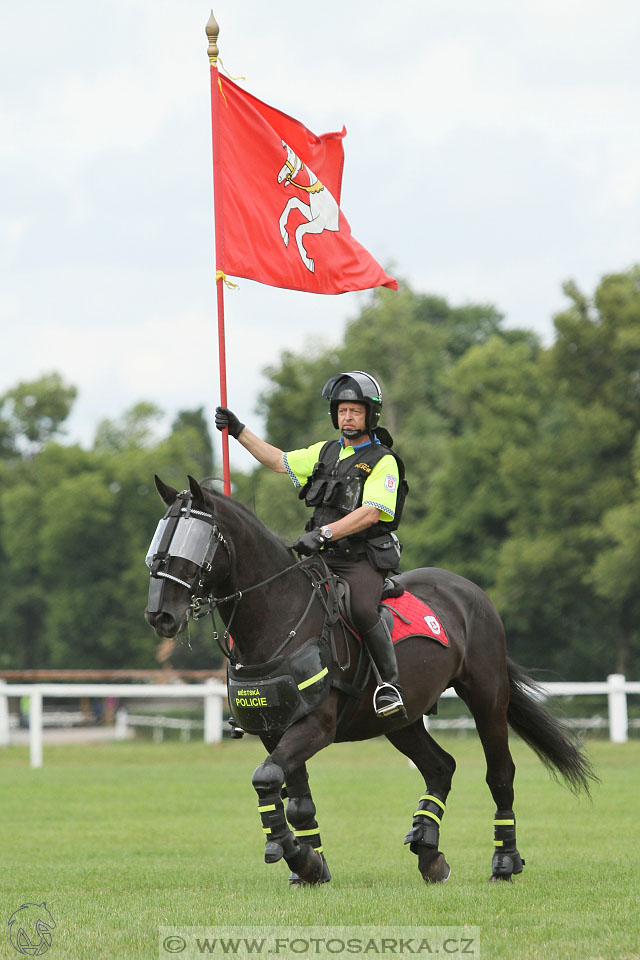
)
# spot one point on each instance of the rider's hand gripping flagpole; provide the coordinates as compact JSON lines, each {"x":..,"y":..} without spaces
{"x":212,"y":30}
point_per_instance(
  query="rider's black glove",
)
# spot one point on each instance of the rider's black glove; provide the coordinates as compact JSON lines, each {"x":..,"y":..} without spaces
{"x":225,"y":418}
{"x":309,"y":543}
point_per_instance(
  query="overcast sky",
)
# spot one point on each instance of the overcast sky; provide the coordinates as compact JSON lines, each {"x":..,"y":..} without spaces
{"x":492,"y":152}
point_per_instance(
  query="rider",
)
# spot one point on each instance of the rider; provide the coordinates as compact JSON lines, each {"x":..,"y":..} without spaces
{"x":356,"y":486}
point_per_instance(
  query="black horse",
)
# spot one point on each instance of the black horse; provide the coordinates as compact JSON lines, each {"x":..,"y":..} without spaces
{"x":296,"y":669}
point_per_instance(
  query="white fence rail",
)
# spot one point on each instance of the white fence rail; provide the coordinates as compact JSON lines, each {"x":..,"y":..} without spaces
{"x":213,"y":693}
{"x":124,"y":720}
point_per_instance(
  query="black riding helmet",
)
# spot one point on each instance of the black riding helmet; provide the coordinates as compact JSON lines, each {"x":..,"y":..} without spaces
{"x":358,"y":386}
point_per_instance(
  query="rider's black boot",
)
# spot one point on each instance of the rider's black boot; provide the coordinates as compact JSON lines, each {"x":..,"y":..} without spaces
{"x":387,"y":699}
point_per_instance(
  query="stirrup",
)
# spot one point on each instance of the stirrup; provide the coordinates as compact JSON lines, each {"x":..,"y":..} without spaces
{"x":393,"y":698}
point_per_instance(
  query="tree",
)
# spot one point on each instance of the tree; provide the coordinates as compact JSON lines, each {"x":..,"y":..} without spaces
{"x":615,"y":573}
{"x":74,"y":529}
{"x":32,"y":413}
{"x":133,"y":430}
{"x":202,"y":452}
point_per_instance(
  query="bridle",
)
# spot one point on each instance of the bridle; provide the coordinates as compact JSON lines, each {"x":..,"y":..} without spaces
{"x":205,"y":541}
{"x":191,"y":535}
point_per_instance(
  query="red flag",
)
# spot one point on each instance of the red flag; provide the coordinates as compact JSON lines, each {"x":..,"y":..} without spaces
{"x":278,"y":217}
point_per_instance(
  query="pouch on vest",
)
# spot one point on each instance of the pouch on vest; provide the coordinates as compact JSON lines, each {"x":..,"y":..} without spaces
{"x":384,"y":552}
{"x":313,"y":492}
{"x":333,"y":493}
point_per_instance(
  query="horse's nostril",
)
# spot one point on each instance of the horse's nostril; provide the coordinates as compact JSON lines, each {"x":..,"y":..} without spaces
{"x":165,"y":625}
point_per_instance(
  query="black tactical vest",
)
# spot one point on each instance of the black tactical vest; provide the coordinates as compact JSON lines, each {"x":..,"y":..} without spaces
{"x":335,"y":487}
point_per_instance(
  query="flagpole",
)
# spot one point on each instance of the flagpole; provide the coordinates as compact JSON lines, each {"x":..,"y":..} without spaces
{"x":212,"y":30}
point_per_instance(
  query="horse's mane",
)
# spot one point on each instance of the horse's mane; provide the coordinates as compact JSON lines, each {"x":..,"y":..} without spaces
{"x":249,"y":515}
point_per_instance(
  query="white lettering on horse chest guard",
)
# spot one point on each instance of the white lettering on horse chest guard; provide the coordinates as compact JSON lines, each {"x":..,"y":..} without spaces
{"x":271,"y":696}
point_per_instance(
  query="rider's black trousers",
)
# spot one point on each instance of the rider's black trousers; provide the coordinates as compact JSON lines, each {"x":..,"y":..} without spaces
{"x":366,"y":589}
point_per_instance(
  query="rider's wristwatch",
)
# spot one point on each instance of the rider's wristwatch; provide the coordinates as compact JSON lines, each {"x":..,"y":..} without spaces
{"x":326,"y":533}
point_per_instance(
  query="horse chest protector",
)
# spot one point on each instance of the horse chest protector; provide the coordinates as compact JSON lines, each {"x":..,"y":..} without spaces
{"x":269,"y":697}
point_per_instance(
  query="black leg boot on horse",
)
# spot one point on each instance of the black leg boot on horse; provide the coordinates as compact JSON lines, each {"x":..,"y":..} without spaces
{"x":302,"y":859}
{"x":506,"y":858}
{"x":301,"y":815}
{"x":424,"y":838}
{"x":387,"y":699}
{"x":437,"y":767}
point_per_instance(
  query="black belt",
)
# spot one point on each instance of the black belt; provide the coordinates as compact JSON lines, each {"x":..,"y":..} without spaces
{"x":345,"y":549}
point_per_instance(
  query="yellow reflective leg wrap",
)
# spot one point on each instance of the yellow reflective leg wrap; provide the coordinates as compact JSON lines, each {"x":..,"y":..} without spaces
{"x":301,"y":814}
{"x":506,"y":857}
{"x":427,"y":820}
{"x":267,"y":781}
{"x":504,"y":830}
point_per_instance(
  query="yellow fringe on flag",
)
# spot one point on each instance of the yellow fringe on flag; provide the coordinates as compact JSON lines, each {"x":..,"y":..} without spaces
{"x":220,"y":81}
{"x":227,"y":72}
{"x":222,"y":91}
{"x":221,"y":275}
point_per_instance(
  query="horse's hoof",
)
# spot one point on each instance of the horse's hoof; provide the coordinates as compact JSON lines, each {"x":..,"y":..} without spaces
{"x":500,"y":878}
{"x":505,"y":865}
{"x":308,"y":865}
{"x":433,"y":866}
{"x":273,"y":852}
{"x":296,"y":881}
{"x":311,"y":265}
{"x":285,"y":237}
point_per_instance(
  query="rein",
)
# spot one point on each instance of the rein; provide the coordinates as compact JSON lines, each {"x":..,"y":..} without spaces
{"x":214,"y":602}
{"x":190,"y":544}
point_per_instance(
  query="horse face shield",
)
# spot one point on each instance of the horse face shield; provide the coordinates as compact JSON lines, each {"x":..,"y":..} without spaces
{"x":183,"y":534}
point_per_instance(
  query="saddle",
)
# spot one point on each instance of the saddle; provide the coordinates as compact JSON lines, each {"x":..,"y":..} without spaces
{"x":269,"y":697}
{"x":405,"y":614}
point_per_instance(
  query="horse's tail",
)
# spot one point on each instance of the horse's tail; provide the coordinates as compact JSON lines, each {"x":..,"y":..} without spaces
{"x":554,"y":744}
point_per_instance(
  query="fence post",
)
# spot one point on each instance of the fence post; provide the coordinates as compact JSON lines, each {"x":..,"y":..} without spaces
{"x":120,"y":729}
{"x":4,"y":715}
{"x":35,"y":727}
{"x":212,"y":714}
{"x":618,"y":722}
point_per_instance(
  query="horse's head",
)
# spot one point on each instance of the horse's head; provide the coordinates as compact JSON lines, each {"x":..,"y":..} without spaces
{"x":291,"y":167}
{"x":186,"y":556}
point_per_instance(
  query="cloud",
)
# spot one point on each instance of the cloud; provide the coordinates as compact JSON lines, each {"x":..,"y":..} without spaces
{"x":490,"y":154}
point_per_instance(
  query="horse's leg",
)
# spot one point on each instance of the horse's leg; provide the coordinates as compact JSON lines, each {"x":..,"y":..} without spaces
{"x":489,"y":711}
{"x":293,"y":204}
{"x":300,"y":742}
{"x":437,"y":767}
{"x":316,"y":224}
{"x":301,"y":815}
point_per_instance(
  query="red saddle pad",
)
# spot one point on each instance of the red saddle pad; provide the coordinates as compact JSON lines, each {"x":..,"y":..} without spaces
{"x":422,"y":619}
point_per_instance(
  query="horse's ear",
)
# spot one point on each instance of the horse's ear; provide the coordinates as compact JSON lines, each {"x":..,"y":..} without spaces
{"x":167,"y":493}
{"x":196,"y":490}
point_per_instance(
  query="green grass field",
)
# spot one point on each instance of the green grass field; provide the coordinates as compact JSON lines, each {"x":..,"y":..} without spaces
{"x":120,"y":839}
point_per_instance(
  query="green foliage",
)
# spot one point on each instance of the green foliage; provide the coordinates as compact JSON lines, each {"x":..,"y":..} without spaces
{"x":519,"y":458}
{"x":32,"y":413}
{"x":523,"y":464}
{"x":74,"y":528}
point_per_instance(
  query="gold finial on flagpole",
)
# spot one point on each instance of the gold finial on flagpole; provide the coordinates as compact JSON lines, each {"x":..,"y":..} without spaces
{"x":212,"y":30}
